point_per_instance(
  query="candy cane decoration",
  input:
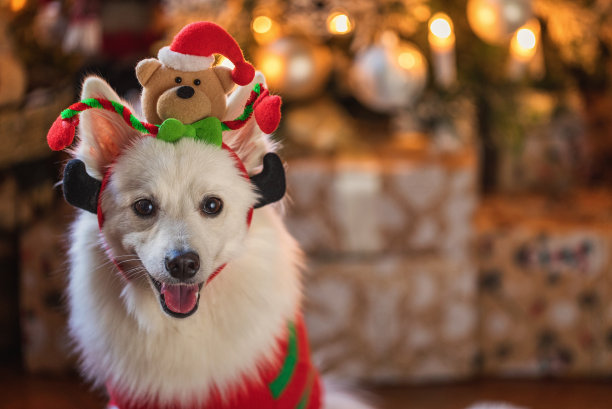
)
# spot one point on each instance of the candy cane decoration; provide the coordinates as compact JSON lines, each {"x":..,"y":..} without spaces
{"x":61,"y":134}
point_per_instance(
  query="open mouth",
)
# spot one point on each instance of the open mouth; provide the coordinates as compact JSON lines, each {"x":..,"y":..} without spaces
{"x":178,"y":300}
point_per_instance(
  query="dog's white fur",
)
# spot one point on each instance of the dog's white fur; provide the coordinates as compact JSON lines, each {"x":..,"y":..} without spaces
{"x":123,"y":336}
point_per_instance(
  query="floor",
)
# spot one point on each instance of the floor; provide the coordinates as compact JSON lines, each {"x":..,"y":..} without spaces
{"x":21,"y":391}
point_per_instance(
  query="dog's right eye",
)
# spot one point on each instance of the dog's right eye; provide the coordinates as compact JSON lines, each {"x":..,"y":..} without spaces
{"x":211,"y":206}
{"x":144,"y":208}
{"x":178,"y":80}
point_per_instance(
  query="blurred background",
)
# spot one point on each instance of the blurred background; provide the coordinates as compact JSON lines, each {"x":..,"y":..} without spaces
{"x":449,"y":168}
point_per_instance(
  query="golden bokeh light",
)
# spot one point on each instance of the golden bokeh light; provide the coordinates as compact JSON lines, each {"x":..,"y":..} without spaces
{"x":273,"y":67}
{"x":440,"y":27}
{"x":526,"y":38}
{"x":524,"y":43}
{"x":441,"y":36}
{"x":339,"y":23}
{"x":261,"y":24}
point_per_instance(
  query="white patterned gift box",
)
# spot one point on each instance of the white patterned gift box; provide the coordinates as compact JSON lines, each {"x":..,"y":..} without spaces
{"x":545,"y":286}
{"x":393,"y":318}
{"x":383,"y":202}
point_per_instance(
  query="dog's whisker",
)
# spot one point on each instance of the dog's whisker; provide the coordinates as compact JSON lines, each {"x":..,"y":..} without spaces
{"x":124,"y":255}
{"x":127,"y":261}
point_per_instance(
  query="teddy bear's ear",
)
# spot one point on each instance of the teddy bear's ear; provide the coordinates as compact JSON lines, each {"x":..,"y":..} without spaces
{"x":103,"y":134}
{"x":145,"y":69}
{"x":225,"y":78}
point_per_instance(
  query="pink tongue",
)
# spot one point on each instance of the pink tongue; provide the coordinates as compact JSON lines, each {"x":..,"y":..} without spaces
{"x":180,"y":298}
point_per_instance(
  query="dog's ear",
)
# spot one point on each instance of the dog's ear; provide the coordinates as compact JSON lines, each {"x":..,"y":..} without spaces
{"x":103,"y":134}
{"x":145,"y":70}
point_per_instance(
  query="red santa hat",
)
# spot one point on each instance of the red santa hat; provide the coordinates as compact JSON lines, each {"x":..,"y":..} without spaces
{"x":193,"y":49}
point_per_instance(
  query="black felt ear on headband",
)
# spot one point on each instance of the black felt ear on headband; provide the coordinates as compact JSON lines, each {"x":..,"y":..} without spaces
{"x":271,"y":181}
{"x":80,"y":189}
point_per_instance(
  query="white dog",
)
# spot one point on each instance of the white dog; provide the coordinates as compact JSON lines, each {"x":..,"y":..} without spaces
{"x":149,"y":321}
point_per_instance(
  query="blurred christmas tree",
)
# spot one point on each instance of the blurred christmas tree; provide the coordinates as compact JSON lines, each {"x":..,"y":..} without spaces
{"x":527,"y":79}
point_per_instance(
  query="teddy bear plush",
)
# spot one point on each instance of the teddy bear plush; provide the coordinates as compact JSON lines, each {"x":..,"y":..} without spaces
{"x":181,"y":85}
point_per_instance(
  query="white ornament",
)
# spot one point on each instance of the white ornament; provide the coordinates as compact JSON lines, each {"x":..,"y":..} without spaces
{"x":388,"y":78}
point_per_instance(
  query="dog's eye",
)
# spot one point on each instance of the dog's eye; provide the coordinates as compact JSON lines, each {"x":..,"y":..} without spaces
{"x":211,"y":206}
{"x":197,"y":82}
{"x":144,"y":208}
{"x":178,"y":80}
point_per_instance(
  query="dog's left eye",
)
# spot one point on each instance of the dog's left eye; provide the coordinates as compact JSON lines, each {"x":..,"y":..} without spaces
{"x":144,"y":208}
{"x":197,"y":82}
{"x":211,"y":206}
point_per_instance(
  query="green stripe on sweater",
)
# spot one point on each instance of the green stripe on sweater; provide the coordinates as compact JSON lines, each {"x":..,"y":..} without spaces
{"x":277,"y":387}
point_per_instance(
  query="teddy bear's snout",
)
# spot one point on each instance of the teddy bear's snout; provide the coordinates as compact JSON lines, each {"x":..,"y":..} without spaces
{"x":185,"y":92}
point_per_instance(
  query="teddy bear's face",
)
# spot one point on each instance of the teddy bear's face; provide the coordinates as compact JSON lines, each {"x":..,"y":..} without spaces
{"x":186,"y":96}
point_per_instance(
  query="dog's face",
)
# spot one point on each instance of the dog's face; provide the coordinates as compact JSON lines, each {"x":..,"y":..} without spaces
{"x":186,"y":96}
{"x":174,"y":214}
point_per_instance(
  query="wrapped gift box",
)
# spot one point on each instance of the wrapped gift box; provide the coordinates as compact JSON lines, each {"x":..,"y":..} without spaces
{"x":395,"y":200}
{"x":545,"y":275}
{"x":393,"y":318}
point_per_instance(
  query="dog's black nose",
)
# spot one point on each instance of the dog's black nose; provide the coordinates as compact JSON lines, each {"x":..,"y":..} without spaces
{"x":185,"y":92}
{"x":182,"y":265}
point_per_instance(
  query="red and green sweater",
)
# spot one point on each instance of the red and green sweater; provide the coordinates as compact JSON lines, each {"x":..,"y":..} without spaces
{"x":290,"y":383}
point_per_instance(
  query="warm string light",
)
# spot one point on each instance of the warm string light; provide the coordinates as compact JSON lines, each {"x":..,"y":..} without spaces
{"x":441,"y":35}
{"x":525,"y":54}
{"x":524,"y":43}
{"x":441,"y":28}
{"x":442,"y":44}
{"x":339,"y":23}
